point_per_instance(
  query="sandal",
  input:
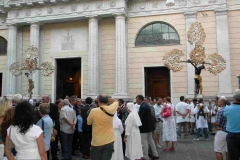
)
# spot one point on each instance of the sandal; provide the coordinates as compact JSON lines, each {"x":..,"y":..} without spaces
{"x":165,"y":149}
{"x":171,"y":149}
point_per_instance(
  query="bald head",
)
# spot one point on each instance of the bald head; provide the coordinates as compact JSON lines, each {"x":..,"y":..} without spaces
{"x":222,"y":102}
{"x":45,"y":99}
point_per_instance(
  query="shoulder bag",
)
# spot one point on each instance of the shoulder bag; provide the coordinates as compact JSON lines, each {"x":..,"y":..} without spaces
{"x":167,"y":112}
{"x":111,"y":115}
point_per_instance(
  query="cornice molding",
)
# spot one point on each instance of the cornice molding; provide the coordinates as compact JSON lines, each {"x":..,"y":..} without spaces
{"x":71,"y":10}
{"x":48,"y":11}
{"x":156,"y":7}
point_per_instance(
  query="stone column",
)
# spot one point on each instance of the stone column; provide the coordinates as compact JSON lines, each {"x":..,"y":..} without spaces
{"x":11,"y":58}
{"x":93,"y":58}
{"x":121,"y":66}
{"x":34,"y":41}
{"x":190,"y":18}
{"x":19,"y":58}
{"x":225,"y":82}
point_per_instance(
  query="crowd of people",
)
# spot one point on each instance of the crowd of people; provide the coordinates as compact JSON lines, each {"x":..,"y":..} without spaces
{"x":109,"y":129}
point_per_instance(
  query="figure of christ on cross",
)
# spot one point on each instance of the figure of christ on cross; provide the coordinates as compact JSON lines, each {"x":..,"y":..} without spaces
{"x":197,"y":77}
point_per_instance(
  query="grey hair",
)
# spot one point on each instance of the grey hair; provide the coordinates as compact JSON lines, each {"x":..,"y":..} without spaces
{"x":44,"y":108}
{"x":66,"y":102}
{"x":17,"y":98}
{"x":78,"y":99}
{"x":236,"y":95}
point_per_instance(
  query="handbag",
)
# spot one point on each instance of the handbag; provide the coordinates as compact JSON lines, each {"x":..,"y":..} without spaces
{"x":167,"y":112}
{"x":10,"y":143}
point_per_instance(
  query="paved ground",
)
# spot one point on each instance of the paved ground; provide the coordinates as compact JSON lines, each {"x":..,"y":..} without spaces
{"x":186,"y":149}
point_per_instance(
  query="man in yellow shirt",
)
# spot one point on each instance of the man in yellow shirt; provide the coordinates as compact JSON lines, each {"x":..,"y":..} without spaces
{"x":101,"y":119}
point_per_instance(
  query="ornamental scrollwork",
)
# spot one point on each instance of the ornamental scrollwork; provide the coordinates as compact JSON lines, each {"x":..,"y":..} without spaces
{"x":198,"y":54}
{"x":196,"y":34}
{"x":172,"y":60}
{"x":217,"y":63}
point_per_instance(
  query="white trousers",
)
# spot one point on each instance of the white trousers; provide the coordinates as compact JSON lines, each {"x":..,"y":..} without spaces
{"x":147,"y":140}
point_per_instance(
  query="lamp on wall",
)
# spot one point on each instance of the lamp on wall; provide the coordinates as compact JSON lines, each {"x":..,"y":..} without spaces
{"x":170,"y":3}
{"x":69,"y":79}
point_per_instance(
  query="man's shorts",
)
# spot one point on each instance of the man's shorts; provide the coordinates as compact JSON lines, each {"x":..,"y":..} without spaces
{"x":158,"y":128}
{"x":220,"y":142}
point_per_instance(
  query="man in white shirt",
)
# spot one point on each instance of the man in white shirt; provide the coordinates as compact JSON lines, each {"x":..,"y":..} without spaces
{"x":158,"y":128}
{"x":182,"y":110}
{"x":201,"y":112}
{"x":68,"y":121}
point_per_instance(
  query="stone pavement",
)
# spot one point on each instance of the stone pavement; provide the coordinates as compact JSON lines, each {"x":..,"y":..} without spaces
{"x":186,"y":149}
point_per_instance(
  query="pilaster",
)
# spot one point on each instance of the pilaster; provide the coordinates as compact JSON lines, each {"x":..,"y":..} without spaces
{"x":11,"y":58}
{"x":19,"y":57}
{"x":225,"y":82}
{"x":121,"y":66}
{"x":190,"y":18}
{"x":41,"y":58}
{"x":34,"y":41}
{"x":93,"y":58}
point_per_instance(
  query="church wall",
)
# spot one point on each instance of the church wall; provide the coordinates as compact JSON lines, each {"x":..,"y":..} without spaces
{"x":26,"y":44}
{"x":140,"y":57}
{"x":80,"y":50}
{"x":3,"y":61}
{"x":108,"y":55}
{"x":234,"y":36}
{"x":210,"y":81}
{"x":3,"y":58}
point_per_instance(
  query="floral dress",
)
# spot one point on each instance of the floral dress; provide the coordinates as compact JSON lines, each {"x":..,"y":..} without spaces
{"x":169,"y":126}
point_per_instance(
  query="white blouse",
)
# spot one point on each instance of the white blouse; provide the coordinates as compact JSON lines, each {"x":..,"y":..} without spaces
{"x":26,"y":144}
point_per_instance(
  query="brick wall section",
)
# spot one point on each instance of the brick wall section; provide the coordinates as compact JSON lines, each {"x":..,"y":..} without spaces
{"x":108,"y":55}
{"x":152,"y":56}
{"x":210,"y":81}
{"x":234,"y":36}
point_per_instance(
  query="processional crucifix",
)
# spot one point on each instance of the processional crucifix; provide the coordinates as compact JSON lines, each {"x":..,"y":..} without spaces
{"x":29,"y":66}
{"x":196,"y":36}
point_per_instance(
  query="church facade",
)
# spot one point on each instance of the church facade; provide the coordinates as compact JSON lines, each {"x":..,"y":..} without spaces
{"x":117,"y":46}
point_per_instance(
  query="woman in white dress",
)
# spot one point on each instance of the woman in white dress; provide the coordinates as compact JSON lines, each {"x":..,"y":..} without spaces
{"x":132,"y":134}
{"x":118,"y":130}
{"x":169,"y":126}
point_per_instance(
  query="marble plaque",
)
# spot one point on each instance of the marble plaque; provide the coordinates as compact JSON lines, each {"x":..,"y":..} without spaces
{"x":69,"y":40}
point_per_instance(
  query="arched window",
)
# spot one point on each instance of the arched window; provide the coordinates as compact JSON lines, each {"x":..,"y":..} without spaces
{"x":3,"y":46}
{"x":157,"y":34}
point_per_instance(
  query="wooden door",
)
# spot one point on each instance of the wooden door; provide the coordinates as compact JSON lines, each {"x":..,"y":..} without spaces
{"x":157,"y":82}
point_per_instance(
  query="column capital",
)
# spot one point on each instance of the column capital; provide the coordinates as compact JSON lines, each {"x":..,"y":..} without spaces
{"x":221,"y":11}
{"x":92,"y":16}
{"x":190,"y":14}
{"x":120,"y":14}
{"x":12,"y":26}
{"x":35,"y":23}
